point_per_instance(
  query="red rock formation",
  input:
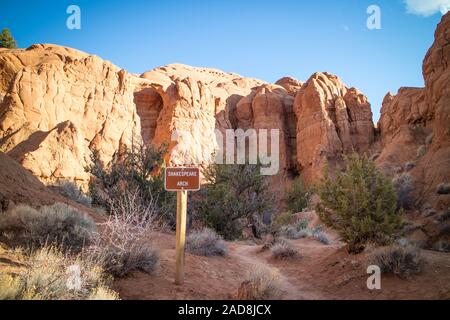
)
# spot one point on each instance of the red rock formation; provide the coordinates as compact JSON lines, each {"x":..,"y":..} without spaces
{"x":332,"y":119}
{"x":414,"y":126}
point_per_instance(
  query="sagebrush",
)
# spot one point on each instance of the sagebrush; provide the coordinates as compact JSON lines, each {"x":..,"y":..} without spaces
{"x":282,"y":249}
{"x":402,"y":261}
{"x":58,"y":224}
{"x":49,"y":274}
{"x":205,"y":242}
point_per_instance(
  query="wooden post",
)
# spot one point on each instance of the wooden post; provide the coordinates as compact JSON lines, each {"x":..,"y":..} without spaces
{"x":181,"y":236}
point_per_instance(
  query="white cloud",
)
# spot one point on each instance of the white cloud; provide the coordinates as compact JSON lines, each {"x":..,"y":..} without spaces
{"x":427,"y":8}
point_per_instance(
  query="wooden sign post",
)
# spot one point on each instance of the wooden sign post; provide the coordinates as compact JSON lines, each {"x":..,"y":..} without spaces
{"x":181,"y":180}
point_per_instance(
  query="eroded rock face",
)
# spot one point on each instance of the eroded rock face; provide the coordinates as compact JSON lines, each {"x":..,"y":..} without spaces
{"x":414,"y":126}
{"x":60,"y":103}
{"x":332,"y":119}
{"x":270,"y":107}
{"x":196,"y":102}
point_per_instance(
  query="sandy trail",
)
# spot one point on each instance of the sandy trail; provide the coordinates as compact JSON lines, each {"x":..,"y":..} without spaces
{"x":251,"y":255}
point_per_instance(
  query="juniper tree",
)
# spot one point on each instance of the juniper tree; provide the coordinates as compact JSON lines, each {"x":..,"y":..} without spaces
{"x":360,"y":203}
{"x":6,"y":40}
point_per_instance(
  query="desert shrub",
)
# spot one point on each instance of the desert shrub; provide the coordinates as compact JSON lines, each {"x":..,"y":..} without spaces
{"x":297,"y":196}
{"x":410,"y":165}
{"x":442,"y":246}
{"x":402,"y":261}
{"x":283,"y":249}
{"x":282,"y":219}
{"x":206,"y":242}
{"x":70,"y":190}
{"x":360,"y":203}
{"x":421,"y":151}
{"x":137,"y":169}
{"x":322,"y":237}
{"x":57,"y":224}
{"x":233,"y":196}
{"x":52,"y":275}
{"x":443,"y":188}
{"x":301,"y":230}
{"x":294,"y":231}
{"x":123,"y":246}
{"x":404,"y":186}
{"x":261,"y":283}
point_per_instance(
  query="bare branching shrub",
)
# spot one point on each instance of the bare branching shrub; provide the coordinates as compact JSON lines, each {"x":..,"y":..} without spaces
{"x":283,"y":249}
{"x":57,"y":224}
{"x":123,"y":245}
{"x":52,"y":275}
{"x":206,"y":242}
{"x":443,"y":188}
{"x":402,"y":261}
{"x":136,"y":168}
{"x":261,"y":283}
{"x":72,"y":191}
{"x":404,"y":186}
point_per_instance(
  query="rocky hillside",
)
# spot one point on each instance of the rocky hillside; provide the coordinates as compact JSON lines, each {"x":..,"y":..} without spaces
{"x":58,"y":104}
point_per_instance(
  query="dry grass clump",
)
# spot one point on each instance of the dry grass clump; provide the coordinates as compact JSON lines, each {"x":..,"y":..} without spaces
{"x":402,"y":261}
{"x":123,"y":246}
{"x":206,"y":242}
{"x":283,"y":249}
{"x":261,"y":283}
{"x":49,"y":274}
{"x":58,"y":224}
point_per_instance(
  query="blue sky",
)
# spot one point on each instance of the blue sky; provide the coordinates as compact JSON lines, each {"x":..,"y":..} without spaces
{"x":255,"y":38}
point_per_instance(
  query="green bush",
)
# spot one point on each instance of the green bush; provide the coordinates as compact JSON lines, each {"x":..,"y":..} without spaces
{"x":297,"y":196}
{"x":360,"y":203}
{"x":233,"y":196}
{"x":58,"y":224}
{"x":138,"y":169}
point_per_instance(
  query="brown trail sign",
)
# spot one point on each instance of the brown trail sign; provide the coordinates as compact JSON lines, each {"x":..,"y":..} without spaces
{"x":181,"y":180}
